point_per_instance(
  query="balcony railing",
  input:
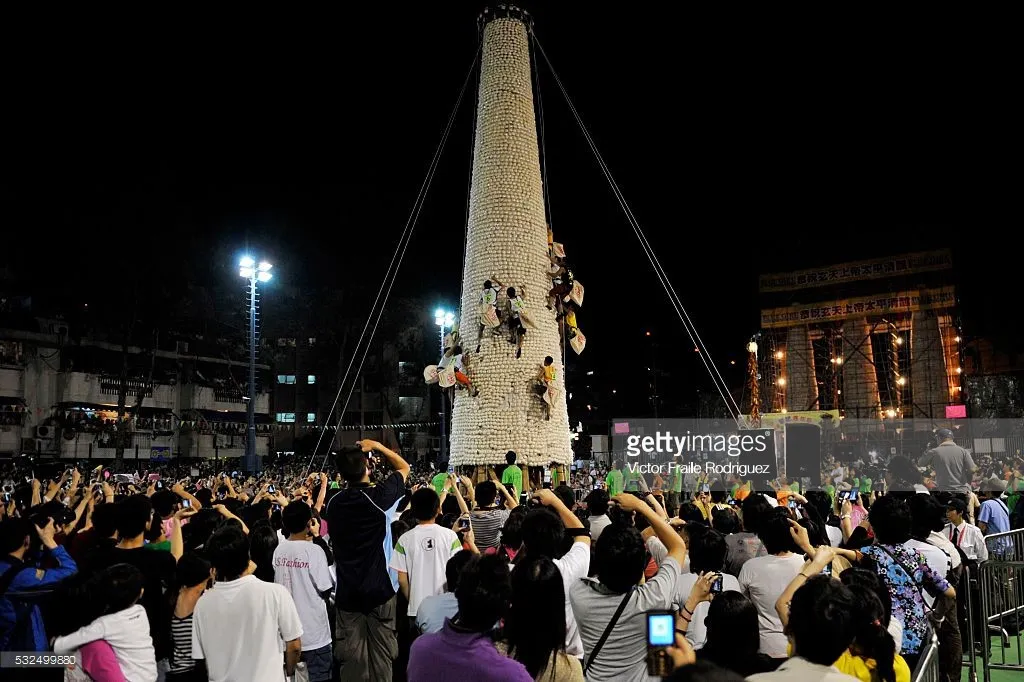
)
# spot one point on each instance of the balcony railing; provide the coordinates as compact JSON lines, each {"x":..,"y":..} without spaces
{"x":112,"y":386}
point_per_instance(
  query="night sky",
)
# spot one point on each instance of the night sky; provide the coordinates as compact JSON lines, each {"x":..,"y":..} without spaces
{"x":154,"y":156}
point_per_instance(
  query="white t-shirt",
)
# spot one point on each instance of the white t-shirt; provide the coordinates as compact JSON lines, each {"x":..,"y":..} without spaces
{"x":127,"y":633}
{"x":239,"y":628}
{"x":696,"y":632}
{"x":936,"y":560}
{"x":763,"y":579}
{"x":423,"y":554}
{"x":301,"y":568}
{"x":574,"y":566}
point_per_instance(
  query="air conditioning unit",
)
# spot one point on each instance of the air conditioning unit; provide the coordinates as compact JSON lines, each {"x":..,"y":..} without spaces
{"x":45,"y":432}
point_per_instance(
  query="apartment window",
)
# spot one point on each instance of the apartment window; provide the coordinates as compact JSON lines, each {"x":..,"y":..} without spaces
{"x":311,"y":379}
{"x":311,"y":417}
{"x":286,"y":378}
{"x":285,"y":417}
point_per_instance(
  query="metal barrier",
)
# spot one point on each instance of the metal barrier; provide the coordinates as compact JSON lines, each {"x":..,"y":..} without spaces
{"x":1001,"y":585}
{"x":965,"y":595}
{"x":927,"y":669}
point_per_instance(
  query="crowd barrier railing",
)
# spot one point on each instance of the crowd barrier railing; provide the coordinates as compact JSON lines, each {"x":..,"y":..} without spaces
{"x":1001,"y":587}
{"x":965,"y":592}
{"x":927,"y":669}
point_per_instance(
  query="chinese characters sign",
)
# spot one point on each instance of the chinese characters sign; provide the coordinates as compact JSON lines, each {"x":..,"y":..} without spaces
{"x":883,"y":304}
{"x":878,"y":268}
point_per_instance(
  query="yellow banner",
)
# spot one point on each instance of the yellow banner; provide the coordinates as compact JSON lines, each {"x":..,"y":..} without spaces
{"x":882,"y":304}
{"x":876,"y":268}
{"x":777,"y":420}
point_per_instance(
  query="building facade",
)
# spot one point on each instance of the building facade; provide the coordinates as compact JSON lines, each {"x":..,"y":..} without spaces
{"x":59,"y":399}
{"x":876,"y":339}
{"x":389,"y":400}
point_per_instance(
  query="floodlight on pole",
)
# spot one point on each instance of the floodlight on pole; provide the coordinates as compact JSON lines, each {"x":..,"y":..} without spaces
{"x":256,"y":274}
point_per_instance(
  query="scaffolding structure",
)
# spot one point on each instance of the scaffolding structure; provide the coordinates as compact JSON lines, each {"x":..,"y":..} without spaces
{"x":886,"y":367}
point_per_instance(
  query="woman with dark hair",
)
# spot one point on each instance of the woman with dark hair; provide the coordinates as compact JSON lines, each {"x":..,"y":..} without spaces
{"x":905,"y":572}
{"x":262,"y":543}
{"x":872,"y":657}
{"x":512,"y":534}
{"x":732,"y":636}
{"x":191,"y":578}
{"x":535,"y":625}
{"x":903,"y":478}
{"x":862,"y":578}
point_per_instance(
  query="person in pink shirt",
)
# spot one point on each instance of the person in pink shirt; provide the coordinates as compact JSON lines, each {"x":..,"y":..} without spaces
{"x":96,"y":660}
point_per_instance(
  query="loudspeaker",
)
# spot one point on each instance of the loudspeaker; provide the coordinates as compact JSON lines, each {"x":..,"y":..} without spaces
{"x":803,"y":452}
{"x":845,"y":452}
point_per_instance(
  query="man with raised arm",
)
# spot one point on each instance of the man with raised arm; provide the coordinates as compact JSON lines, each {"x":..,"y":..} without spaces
{"x":360,"y":519}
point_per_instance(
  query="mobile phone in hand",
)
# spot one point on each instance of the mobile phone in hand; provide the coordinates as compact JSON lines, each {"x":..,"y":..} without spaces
{"x":661,"y":634}
{"x":716,"y":584}
{"x":464,"y":524}
{"x":185,"y":504}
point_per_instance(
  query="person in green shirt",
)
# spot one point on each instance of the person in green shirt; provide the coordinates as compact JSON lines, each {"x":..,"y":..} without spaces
{"x":865,"y":485}
{"x":438,"y":481}
{"x":512,"y":476}
{"x":614,"y":481}
{"x":675,"y":488}
{"x":558,"y":475}
{"x":830,"y":489}
{"x":632,"y":481}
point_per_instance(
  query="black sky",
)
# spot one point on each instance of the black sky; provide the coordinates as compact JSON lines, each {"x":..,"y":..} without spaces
{"x":153,"y":149}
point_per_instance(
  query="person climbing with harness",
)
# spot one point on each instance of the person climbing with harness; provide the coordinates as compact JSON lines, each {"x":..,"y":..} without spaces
{"x":518,"y":320}
{"x":489,"y":315}
{"x":561,"y":280}
{"x":461,"y":364}
{"x":545,"y":382}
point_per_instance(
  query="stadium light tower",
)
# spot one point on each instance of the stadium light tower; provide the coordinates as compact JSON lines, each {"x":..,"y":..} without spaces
{"x":256,"y":274}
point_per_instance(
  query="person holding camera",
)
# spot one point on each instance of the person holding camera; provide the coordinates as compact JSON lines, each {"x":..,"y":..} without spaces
{"x":21,"y":619}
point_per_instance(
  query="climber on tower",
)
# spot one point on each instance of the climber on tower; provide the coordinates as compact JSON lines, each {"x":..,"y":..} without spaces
{"x":545,"y":381}
{"x":518,"y":320}
{"x":561,"y":281}
{"x":489,"y":315}
{"x":461,"y":362}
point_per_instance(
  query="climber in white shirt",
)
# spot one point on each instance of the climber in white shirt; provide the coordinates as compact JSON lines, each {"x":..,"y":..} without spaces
{"x":489,"y":315}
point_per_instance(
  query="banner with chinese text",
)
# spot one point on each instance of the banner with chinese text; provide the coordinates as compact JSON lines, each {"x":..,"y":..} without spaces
{"x":876,"y":268}
{"x":882,"y":304}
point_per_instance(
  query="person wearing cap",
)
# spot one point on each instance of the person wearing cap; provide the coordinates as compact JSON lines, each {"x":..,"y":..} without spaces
{"x":952,"y":464}
{"x":967,"y":537}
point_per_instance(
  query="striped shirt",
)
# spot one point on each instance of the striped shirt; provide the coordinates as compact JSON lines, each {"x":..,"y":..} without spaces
{"x":181,"y":641}
{"x":487,"y":527}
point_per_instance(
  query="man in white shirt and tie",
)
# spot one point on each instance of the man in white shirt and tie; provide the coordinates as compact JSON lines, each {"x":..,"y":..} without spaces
{"x":966,"y":536}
